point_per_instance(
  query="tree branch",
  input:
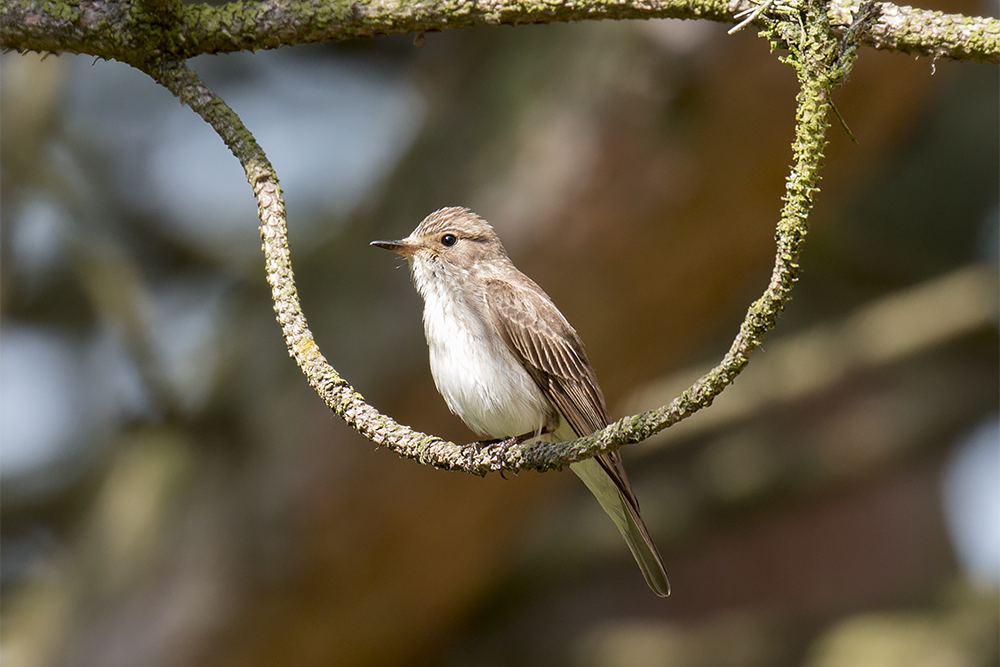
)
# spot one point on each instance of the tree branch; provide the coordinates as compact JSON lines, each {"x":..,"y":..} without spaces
{"x":115,"y":30}
{"x":922,"y":32}
{"x":334,"y":390}
{"x":821,"y":61}
{"x":821,"y":47}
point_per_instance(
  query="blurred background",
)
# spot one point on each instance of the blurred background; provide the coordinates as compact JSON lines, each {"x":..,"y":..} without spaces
{"x":173,"y":494}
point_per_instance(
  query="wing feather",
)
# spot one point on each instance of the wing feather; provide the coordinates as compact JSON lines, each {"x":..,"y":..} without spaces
{"x":550,"y":350}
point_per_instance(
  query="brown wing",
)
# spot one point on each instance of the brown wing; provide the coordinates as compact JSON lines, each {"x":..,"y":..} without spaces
{"x":552,"y":352}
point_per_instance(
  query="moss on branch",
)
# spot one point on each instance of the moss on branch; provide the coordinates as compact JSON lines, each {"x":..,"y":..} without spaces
{"x":136,"y":32}
{"x":817,"y":40}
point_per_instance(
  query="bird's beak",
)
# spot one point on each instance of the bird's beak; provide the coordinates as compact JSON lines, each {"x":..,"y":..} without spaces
{"x":401,"y":247}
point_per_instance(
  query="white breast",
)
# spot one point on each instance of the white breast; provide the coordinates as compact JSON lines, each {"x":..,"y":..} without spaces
{"x":478,"y":377}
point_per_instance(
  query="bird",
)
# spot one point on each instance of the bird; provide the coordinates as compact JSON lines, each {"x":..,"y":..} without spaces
{"x":509,"y":364}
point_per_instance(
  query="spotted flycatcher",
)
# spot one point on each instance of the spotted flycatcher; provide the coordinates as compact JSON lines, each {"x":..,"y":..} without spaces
{"x":509,"y":364}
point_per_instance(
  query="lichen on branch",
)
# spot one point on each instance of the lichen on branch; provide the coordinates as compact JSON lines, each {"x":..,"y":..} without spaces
{"x":821,"y":58}
{"x":135,"y":32}
{"x":816,"y":38}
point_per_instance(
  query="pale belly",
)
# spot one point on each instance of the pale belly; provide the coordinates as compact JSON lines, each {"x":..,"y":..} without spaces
{"x":480,"y":379}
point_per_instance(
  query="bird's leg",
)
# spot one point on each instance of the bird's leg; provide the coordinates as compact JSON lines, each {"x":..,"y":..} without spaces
{"x":515,"y":440}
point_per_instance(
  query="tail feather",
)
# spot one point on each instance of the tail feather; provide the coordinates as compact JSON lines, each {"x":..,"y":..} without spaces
{"x":624,"y":512}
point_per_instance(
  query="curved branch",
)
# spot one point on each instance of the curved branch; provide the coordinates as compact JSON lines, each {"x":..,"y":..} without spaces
{"x":334,"y":390}
{"x":821,"y":61}
{"x":822,"y":66}
{"x":113,"y":30}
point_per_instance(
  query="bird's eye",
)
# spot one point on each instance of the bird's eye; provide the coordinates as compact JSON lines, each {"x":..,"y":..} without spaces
{"x":448,"y":240}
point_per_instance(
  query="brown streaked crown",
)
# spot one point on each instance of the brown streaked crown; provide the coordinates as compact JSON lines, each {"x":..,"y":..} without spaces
{"x":459,"y":221}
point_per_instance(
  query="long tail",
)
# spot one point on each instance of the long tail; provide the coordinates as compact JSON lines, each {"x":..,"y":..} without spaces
{"x":624,"y":511}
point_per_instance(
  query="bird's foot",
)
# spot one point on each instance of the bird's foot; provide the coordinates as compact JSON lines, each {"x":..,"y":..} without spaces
{"x":506,"y":442}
